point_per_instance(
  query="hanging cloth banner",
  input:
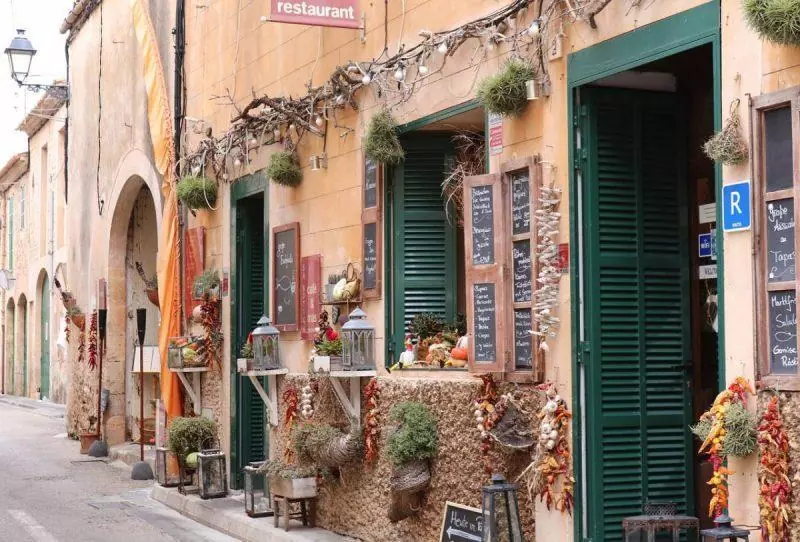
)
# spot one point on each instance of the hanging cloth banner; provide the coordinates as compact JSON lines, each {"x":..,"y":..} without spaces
{"x":161,"y":131}
{"x":337,"y":13}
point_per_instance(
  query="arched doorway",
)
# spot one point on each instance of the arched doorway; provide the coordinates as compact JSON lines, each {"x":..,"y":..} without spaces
{"x":10,"y":345}
{"x":22,"y":341}
{"x":44,"y":338}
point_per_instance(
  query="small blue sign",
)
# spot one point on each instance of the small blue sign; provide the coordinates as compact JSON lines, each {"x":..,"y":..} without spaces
{"x":736,"y":206}
{"x":705,"y":243}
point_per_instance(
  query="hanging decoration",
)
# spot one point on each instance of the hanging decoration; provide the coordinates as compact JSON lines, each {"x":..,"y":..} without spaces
{"x":727,"y":428}
{"x":66,"y":328}
{"x":486,"y":415}
{"x":307,"y":401}
{"x":211,"y":320}
{"x":381,"y":142}
{"x":728,"y":146}
{"x":284,"y":170}
{"x":775,"y":492}
{"x":81,"y":346}
{"x":504,"y":92}
{"x":289,"y":417}
{"x":775,"y":20}
{"x":552,"y":460}
{"x":93,"y":340}
{"x":470,"y":159}
{"x":372,"y":430}
{"x":547,"y":283}
{"x":197,"y":192}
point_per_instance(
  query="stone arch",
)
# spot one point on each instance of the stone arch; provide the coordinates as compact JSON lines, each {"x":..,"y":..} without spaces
{"x":42,"y":323}
{"x":22,"y":346}
{"x":9,"y":347}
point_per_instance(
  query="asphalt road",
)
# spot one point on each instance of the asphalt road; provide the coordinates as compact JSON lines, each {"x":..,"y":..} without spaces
{"x":51,"y":493}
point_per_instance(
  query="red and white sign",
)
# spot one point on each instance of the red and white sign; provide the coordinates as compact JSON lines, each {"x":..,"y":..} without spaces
{"x":338,"y":13}
{"x":310,"y":295}
{"x":495,"y":134}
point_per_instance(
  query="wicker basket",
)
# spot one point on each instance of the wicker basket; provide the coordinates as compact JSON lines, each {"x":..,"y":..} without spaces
{"x":513,"y":431}
{"x":338,"y":451}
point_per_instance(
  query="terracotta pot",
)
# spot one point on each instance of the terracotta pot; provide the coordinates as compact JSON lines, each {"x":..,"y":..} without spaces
{"x":87,"y":439}
{"x":152,"y":295}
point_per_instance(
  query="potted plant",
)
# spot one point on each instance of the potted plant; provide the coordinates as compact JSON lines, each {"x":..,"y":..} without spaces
{"x":88,"y":437}
{"x":206,"y":283}
{"x":197,"y":192}
{"x":245,"y":361}
{"x":290,"y":481}
{"x":505,"y":93}
{"x":283,"y":169}
{"x":328,"y":354}
{"x":189,"y":436}
{"x":412,"y":443}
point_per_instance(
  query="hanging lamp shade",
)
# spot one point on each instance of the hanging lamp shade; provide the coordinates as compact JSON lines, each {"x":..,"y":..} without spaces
{"x":20,"y":54}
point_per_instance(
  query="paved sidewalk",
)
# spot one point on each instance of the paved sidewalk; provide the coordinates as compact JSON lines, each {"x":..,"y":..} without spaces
{"x":227,"y":515}
{"x":45,"y":408}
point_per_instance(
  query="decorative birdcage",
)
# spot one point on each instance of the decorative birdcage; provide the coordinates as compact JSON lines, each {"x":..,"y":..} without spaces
{"x":266,"y":346}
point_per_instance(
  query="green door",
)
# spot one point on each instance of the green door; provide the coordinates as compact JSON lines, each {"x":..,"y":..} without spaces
{"x":637,"y":306}
{"x":424,"y":259}
{"x":44,"y":382}
{"x":24,"y":313}
{"x":250,"y":302}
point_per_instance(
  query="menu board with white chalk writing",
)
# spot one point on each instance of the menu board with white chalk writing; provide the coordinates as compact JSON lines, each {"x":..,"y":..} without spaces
{"x":779,"y":232}
{"x":485,"y":314}
{"x":523,"y":338}
{"x":523,"y":270}
{"x":482,"y":225}
{"x":286,"y":248}
{"x":782,"y":310}
{"x":520,"y":203}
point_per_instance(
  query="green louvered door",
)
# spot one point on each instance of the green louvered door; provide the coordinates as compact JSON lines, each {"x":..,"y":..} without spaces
{"x":250,"y":307}
{"x":637,"y":307}
{"x":424,"y":251}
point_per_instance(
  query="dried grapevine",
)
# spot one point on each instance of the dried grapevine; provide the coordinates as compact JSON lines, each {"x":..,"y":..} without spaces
{"x":372,"y":431}
{"x":93,"y":341}
{"x":775,"y":488}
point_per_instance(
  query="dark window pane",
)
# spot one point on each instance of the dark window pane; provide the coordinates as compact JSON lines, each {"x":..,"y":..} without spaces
{"x":778,"y":148}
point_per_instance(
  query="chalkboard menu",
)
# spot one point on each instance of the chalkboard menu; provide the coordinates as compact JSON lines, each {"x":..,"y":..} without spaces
{"x":523,"y":340}
{"x":520,"y":203}
{"x":370,"y":183}
{"x":461,"y":523}
{"x":370,"y":274}
{"x":782,"y":307}
{"x":484,"y":314}
{"x":482,"y":225}
{"x":780,"y":240}
{"x":778,"y":148}
{"x":523,"y":283}
{"x":286,"y":248}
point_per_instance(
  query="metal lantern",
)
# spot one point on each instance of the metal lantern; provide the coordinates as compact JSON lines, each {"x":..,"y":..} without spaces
{"x":257,"y":502}
{"x":163,"y":477}
{"x":724,"y":530}
{"x":358,"y":343}
{"x":266,"y":346}
{"x":20,"y":54}
{"x":501,"y":520}
{"x":212,"y":474}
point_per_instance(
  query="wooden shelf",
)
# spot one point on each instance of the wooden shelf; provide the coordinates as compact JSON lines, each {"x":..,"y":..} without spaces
{"x":339,"y":303}
{"x":270,"y":372}
{"x":193,"y":387}
{"x":351,"y":402}
{"x":190,"y":370}
{"x":352,"y":374}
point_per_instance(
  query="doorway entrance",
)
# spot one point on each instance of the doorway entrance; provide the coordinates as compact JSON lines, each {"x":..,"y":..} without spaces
{"x":44,"y":335}
{"x":649,"y":331}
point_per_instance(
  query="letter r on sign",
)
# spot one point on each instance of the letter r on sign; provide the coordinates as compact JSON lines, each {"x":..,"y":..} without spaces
{"x":736,"y":207}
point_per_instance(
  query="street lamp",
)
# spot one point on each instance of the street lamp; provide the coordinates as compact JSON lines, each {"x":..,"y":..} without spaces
{"x":20,"y":55}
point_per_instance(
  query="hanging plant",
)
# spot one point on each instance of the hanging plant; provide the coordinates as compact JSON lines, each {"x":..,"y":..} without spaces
{"x":197,"y":192}
{"x":727,"y":428}
{"x":504,"y":92}
{"x":775,"y":493}
{"x":283,"y":169}
{"x":775,"y":20}
{"x":93,"y":341}
{"x":381,"y":142}
{"x":728,"y":146}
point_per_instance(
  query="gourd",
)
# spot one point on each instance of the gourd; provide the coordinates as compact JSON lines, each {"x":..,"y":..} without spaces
{"x":459,"y":353}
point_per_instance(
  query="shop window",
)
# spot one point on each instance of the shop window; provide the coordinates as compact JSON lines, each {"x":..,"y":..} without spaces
{"x":776,"y":138}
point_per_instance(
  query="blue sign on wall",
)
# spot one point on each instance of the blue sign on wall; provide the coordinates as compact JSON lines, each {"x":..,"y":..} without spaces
{"x":705,"y":245}
{"x":736,"y":206}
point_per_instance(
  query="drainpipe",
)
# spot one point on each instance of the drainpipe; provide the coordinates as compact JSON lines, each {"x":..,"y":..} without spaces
{"x":180,"y":52}
{"x":66,"y":131}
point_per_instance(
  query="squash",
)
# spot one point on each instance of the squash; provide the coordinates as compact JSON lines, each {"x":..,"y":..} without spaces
{"x":459,"y":353}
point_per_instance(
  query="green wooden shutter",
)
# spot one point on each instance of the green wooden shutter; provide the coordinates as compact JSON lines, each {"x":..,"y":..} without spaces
{"x":637,"y":307}
{"x":44,"y":380}
{"x":424,"y":240}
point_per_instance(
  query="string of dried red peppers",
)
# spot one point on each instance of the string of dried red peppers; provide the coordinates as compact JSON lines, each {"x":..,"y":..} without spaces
{"x":291,"y":400}
{"x":775,"y":492}
{"x":66,"y":330}
{"x":372,"y":431}
{"x":93,"y":341}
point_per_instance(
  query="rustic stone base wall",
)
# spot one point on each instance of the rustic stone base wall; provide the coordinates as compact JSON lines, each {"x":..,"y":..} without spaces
{"x":356,"y":503}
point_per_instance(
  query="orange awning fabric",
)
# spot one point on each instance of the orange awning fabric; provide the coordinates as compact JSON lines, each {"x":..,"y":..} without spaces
{"x":161,"y":132}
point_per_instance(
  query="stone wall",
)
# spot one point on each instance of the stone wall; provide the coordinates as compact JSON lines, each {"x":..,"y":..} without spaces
{"x":356,"y":503}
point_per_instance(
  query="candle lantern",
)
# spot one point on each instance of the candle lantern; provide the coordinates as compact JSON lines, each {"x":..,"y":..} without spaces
{"x":266,"y":346}
{"x":724,"y":530}
{"x":256,"y":491}
{"x":501,"y":521}
{"x":163,"y":460}
{"x":212,"y":474}
{"x":358,"y":343}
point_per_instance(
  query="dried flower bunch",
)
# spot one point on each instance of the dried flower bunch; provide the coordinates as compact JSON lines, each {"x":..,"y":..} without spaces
{"x":197,"y":192}
{"x":470,"y":159}
{"x":381,"y":142}
{"x":728,"y":146}
{"x":775,"y":487}
{"x":284,"y":170}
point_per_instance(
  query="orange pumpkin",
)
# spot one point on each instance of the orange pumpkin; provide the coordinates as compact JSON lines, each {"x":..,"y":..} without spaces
{"x":459,"y":353}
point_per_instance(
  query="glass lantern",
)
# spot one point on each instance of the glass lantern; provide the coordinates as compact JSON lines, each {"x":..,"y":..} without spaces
{"x":257,"y":502}
{"x":166,"y":462}
{"x":266,"y":346}
{"x":358,"y":343}
{"x":501,"y":521}
{"x":724,"y":530}
{"x":212,"y":474}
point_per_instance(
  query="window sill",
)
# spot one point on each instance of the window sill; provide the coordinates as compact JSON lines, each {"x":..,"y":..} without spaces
{"x":779,"y":382}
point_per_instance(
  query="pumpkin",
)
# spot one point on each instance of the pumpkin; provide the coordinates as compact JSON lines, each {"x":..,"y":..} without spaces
{"x":459,"y":353}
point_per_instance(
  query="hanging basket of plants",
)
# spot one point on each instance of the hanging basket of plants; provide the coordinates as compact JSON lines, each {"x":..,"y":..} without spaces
{"x":728,"y":146}
{"x":150,"y":284}
{"x":777,"y":21}
{"x":197,"y":192}
{"x":381,"y":142}
{"x":283,"y":169}
{"x":504,"y":92}
{"x":325,"y":446}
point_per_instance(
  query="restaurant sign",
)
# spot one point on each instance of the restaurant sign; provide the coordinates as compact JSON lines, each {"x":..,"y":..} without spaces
{"x":338,"y":13}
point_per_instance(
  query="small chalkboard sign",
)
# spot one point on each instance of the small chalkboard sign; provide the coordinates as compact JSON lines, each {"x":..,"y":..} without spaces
{"x":523,"y":271}
{"x":370,"y":183}
{"x":523,"y":340}
{"x":482,"y":225}
{"x":520,"y":203}
{"x":370,"y":274}
{"x":461,"y":523}
{"x":782,"y":308}
{"x":485,"y":315}
{"x":285,"y":262}
{"x":778,"y":148}
{"x":781,"y":254}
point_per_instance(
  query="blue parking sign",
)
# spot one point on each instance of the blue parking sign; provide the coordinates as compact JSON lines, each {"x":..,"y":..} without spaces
{"x":705,"y":245}
{"x":736,"y":206}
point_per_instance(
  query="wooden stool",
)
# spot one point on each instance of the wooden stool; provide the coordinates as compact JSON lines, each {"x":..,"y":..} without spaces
{"x":306,"y":513}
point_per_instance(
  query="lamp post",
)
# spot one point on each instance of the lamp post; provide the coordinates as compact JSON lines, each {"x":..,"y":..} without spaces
{"x":20,"y":55}
{"x":142,"y":469}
